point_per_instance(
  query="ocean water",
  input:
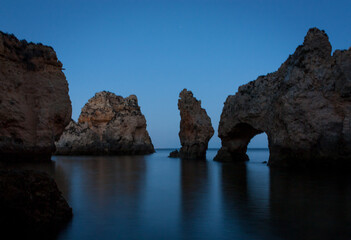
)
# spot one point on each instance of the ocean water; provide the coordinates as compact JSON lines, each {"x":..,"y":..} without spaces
{"x":156,"y":197}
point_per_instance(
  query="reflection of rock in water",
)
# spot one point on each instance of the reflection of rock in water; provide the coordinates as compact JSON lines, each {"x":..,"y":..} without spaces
{"x":244,"y":201}
{"x":310,"y":206}
{"x":105,"y":180}
{"x":194,"y":191}
{"x":234,"y":183}
{"x":62,"y":182}
{"x":234,"y":192}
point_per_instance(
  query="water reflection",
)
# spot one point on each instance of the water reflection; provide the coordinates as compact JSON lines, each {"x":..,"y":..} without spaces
{"x":263,"y":203}
{"x":155,"y":197}
{"x":106,"y":193}
{"x":309,"y":205}
{"x":103,"y":179}
{"x":245,"y":216}
{"x":194,"y":196}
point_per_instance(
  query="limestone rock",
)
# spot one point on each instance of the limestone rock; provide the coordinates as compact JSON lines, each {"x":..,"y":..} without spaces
{"x":34,"y":103}
{"x":195,"y":127}
{"x":108,"y":124}
{"x":31,"y":202}
{"x":304,"y":108}
{"x":174,"y":154}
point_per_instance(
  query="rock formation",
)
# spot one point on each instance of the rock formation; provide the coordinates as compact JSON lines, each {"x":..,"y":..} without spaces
{"x":195,"y":127}
{"x":174,"y":154}
{"x":304,"y":108}
{"x":31,"y":202}
{"x":108,"y":124}
{"x":34,"y":103}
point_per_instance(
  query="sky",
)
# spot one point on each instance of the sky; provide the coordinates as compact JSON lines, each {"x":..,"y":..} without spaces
{"x":154,"y":49}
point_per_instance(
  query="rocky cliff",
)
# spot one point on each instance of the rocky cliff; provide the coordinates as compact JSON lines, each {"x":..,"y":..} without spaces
{"x":108,"y":124}
{"x":34,"y":103}
{"x":304,"y":108}
{"x":195,"y":127}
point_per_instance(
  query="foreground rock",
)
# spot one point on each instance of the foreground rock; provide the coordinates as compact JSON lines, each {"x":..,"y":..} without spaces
{"x":195,"y":127}
{"x":31,"y":202}
{"x":34,"y":103}
{"x":304,"y":108}
{"x":174,"y":154}
{"x":108,"y":124}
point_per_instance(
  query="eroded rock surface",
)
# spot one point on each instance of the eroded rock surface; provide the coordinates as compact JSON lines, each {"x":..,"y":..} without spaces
{"x":31,"y":202}
{"x":195,"y":127}
{"x":304,"y":108}
{"x":34,"y":103}
{"x":108,"y":124}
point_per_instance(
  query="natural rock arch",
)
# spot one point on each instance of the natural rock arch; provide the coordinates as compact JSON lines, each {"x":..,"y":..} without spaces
{"x":304,"y":108}
{"x":234,"y":145}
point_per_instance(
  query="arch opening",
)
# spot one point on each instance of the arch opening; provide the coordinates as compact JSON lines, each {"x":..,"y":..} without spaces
{"x":236,"y":142}
{"x":259,"y":141}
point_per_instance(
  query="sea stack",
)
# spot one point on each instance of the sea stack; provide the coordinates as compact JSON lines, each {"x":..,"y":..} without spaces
{"x":195,"y":127}
{"x":108,"y":125}
{"x":304,"y":108}
{"x":34,"y":104}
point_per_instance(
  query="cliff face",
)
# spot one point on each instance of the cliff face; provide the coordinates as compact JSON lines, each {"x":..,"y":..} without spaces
{"x":34,"y":103}
{"x":304,"y":108}
{"x":195,"y":127}
{"x":108,"y":124}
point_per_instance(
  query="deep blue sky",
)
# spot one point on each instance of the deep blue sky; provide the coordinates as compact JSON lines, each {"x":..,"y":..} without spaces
{"x":154,"y":49}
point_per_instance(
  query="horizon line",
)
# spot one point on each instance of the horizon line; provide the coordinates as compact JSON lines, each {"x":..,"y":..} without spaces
{"x":176,"y":148}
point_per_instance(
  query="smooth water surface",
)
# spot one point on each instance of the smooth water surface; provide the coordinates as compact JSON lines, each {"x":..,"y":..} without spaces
{"x":156,"y":197}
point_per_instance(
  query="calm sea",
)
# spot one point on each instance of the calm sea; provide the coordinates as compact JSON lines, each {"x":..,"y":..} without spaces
{"x":156,"y":197}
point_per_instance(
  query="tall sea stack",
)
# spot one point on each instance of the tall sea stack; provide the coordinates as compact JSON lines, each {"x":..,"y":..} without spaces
{"x":195,"y":127}
{"x":304,"y":108}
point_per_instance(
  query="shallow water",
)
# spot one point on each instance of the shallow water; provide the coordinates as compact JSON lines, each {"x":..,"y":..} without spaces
{"x":156,"y":197}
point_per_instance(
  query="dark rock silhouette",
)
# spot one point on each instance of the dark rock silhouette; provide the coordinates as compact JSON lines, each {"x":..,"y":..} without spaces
{"x":304,"y":108}
{"x":174,"y":154}
{"x":30,"y":202}
{"x":195,"y":127}
{"x":34,"y":110}
{"x":107,"y":125}
{"x":34,"y":103}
